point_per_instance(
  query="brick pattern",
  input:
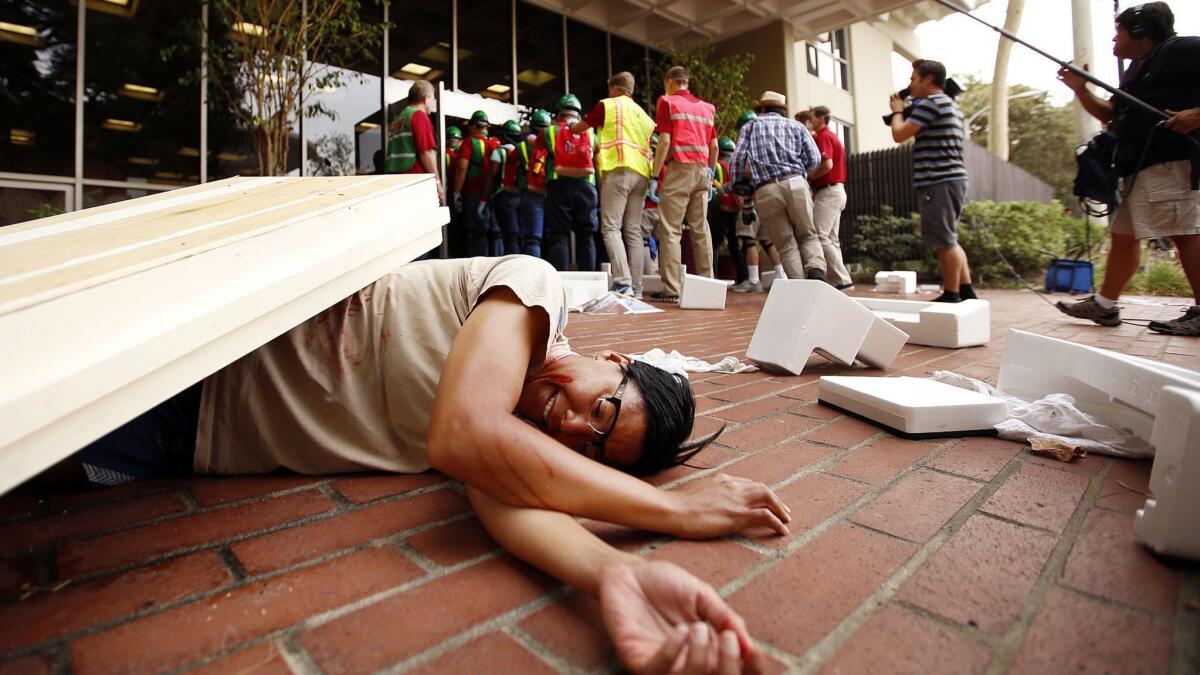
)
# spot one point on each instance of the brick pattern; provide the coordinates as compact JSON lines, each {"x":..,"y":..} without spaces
{"x":956,"y":555}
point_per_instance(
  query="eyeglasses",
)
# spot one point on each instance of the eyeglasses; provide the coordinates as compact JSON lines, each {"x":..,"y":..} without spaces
{"x":602,"y":418}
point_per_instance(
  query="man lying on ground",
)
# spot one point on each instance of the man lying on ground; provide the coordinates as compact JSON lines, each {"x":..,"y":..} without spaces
{"x":462,"y":366}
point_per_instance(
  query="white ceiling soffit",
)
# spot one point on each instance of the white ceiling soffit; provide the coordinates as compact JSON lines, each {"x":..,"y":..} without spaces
{"x":685,"y":22}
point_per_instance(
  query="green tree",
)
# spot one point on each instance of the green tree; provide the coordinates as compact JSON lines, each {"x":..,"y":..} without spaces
{"x":268,"y":59}
{"x":1041,"y":134}
{"x":721,"y":82}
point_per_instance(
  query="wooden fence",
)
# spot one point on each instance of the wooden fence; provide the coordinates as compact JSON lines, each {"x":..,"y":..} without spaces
{"x":884,"y":178}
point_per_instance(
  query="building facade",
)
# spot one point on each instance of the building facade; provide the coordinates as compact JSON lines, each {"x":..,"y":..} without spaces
{"x":102,"y":99}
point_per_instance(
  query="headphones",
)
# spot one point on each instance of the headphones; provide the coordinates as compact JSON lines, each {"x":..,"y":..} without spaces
{"x":1138,"y":26}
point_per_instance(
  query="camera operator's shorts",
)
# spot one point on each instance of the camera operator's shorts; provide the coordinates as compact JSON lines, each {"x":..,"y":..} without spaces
{"x":1162,"y":203}
{"x":941,"y":205}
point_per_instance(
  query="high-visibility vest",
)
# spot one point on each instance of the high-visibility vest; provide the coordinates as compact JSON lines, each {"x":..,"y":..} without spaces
{"x":721,"y":176}
{"x":533,"y":166}
{"x":402,"y":149}
{"x":481,"y":161}
{"x":692,"y":127}
{"x":625,"y":137}
{"x":451,"y":165}
{"x":511,"y":178}
{"x":566,"y":149}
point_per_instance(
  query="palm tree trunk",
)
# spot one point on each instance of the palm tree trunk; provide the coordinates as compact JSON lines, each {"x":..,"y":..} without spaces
{"x":998,"y":126}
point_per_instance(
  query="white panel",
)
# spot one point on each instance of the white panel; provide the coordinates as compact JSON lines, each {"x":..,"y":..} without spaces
{"x":914,"y":405}
{"x":1169,"y":522}
{"x":937,"y":324}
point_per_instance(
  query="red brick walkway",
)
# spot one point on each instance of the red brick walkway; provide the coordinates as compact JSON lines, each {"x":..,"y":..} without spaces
{"x":956,"y":556}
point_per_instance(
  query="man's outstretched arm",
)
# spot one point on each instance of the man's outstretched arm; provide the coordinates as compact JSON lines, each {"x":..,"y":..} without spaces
{"x":644,"y":603}
{"x":475,"y":437}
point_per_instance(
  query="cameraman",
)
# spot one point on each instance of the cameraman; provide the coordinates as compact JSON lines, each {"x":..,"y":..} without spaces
{"x":1159,"y":199}
{"x":939,"y":173}
{"x":779,"y":153}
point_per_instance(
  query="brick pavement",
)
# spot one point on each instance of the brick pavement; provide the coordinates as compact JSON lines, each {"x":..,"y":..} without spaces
{"x":957,"y":556}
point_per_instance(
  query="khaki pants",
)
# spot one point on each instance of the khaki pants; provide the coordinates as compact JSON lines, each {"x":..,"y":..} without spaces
{"x":622,"y":196}
{"x":828,"y":205}
{"x":786,"y":211}
{"x":684,"y":194}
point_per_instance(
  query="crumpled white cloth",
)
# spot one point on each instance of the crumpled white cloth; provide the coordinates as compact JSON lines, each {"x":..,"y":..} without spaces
{"x":1054,"y":416}
{"x":678,"y":363}
{"x":615,"y":303}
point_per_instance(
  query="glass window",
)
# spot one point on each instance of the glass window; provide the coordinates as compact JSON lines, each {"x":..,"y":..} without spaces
{"x":342,"y":114}
{"x":19,"y":204}
{"x":843,"y":132}
{"x":419,"y":41}
{"x":828,"y":58}
{"x":539,"y":57}
{"x":99,"y":196}
{"x":142,"y":112}
{"x":37,"y":108}
{"x":587,"y":58}
{"x":485,"y":48}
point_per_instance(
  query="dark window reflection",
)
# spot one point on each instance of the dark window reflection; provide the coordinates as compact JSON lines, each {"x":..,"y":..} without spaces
{"x":587,"y":52}
{"x":539,"y":57}
{"x":99,"y":196}
{"x":343,"y":128}
{"x":485,"y":48}
{"x":18,"y":205}
{"x":142,"y":112}
{"x":420,"y":41}
{"x":37,"y":87}
{"x":630,"y":56}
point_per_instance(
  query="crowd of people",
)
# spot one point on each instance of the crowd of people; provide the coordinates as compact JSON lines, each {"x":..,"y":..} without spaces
{"x":638,"y":181}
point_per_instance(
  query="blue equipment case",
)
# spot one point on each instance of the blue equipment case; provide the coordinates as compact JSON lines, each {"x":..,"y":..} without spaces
{"x":1069,"y":276}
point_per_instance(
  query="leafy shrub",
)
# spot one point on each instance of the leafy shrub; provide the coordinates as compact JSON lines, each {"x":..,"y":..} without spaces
{"x":1027,"y":234}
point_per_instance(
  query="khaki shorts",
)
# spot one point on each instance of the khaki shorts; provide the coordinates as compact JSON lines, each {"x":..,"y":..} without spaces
{"x":1162,"y":203}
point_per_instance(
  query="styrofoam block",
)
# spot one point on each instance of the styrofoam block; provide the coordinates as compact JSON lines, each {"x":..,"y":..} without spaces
{"x":767,"y":278}
{"x":803,"y":316}
{"x":882,"y":344}
{"x":937,"y":324}
{"x":896,"y":282}
{"x":1169,"y":522}
{"x":1122,"y":390}
{"x":702,"y":293}
{"x":913,"y":405}
{"x":581,"y":287}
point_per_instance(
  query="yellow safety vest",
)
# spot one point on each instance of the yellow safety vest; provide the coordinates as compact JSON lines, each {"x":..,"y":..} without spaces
{"x":625,"y":137}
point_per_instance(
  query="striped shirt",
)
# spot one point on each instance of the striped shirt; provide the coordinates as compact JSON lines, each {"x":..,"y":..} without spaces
{"x":773,"y":146}
{"x":938,"y":151}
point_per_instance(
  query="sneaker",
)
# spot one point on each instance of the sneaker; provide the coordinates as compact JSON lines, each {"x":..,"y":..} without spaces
{"x":816,"y":274}
{"x":1091,"y":310}
{"x":1186,"y":325}
{"x":663,"y":297}
{"x":747,"y":286}
{"x":623,"y":289}
{"x":845,"y":287}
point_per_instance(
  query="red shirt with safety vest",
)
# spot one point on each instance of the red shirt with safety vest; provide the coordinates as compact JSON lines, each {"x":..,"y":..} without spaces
{"x":474,"y":181}
{"x":692,"y":124}
{"x":512,"y":163}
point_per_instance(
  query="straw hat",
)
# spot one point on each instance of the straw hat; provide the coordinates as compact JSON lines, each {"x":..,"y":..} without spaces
{"x":773,"y":99}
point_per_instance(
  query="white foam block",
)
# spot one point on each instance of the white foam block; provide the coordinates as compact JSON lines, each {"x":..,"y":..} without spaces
{"x":702,"y":293}
{"x":581,"y":287}
{"x":803,"y":316}
{"x":896,"y":282}
{"x":1169,"y":522}
{"x":767,"y":278}
{"x":937,"y":324}
{"x":913,"y":405}
{"x":882,"y":344}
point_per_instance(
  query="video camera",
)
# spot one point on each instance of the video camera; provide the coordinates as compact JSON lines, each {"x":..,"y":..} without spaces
{"x":952,"y":90}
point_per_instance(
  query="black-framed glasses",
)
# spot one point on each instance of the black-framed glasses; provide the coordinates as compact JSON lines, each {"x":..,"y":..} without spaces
{"x":602,"y":417}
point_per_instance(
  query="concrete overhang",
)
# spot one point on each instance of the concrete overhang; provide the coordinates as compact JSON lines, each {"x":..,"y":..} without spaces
{"x":687,"y":22}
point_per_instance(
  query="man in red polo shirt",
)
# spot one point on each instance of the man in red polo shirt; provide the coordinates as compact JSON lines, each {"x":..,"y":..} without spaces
{"x":687,"y":146}
{"x":412,"y":147}
{"x":828,"y":183}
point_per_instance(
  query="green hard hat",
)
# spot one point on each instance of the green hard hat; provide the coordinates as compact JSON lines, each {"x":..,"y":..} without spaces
{"x":479,"y":117}
{"x":540,"y":118}
{"x":511,"y":129}
{"x":455,"y":133}
{"x":726,"y":144}
{"x":746,"y":117}
{"x":569,"y":102}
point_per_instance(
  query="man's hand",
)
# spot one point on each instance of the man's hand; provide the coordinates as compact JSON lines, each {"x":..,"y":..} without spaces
{"x":458,"y":202}
{"x":896,"y":103}
{"x":1185,"y":121}
{"x":658,"y":616}
{"x":481,"y":210}
{"x":1073,"y":81}
{"x":722,"y":504}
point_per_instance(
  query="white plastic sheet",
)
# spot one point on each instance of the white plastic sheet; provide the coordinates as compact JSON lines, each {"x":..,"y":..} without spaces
{"x":678,"y":363}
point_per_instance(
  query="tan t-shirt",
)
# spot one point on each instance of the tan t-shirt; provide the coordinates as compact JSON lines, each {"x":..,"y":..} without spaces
{"x":352,"y":388}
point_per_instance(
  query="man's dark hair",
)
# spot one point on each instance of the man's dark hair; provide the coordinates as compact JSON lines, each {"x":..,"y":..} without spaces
{"x":678,"y":74}
{"x":926,"y":67}
{"x":669,"y":408}
{"x":822,"y":112}
{"x":1152,"y":20}
{"x":804,"y":116}
{"x":774,"y":109}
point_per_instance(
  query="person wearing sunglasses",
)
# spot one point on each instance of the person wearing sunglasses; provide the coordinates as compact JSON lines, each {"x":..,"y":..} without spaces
{"x":462,"y":366}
